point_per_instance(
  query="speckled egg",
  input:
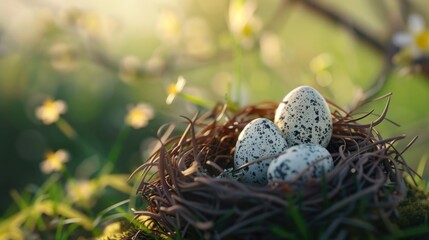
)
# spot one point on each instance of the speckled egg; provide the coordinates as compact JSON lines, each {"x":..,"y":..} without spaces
{"x":299,"y":163}
{"x":304,"y":117}
{"x":259,"y":138}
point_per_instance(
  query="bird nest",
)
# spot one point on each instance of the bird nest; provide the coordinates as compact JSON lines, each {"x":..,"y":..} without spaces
{"x":189,"y":190}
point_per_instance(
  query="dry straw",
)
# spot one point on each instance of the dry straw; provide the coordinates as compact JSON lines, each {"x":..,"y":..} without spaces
{"x":189,"y":191}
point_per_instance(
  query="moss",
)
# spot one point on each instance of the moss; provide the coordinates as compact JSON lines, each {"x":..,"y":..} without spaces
{"x":127,"y":230}
{"x":120,"y":230}
{"x":414,"y":210}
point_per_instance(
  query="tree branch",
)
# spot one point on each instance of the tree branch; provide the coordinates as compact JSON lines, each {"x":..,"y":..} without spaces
{"x":339,"y":19}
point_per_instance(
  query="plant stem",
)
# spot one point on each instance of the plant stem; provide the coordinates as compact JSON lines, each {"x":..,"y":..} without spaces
{"x":66,"y":128}
{"x":115,"y":151}
{"x":238,"y":72}
{"x":195,"y":100}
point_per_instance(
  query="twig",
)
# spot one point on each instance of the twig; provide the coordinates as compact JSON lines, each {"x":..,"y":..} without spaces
{"x":337,"y":18}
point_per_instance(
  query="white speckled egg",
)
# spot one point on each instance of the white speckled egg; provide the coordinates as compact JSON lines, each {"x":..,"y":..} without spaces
{"x":259,"y":138}
{"x":299,"y":163}
{"x":304,"y":117}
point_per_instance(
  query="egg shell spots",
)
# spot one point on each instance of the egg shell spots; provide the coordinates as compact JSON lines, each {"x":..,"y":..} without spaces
{"x":304,"y":117}
{"x":299,"y":163}
{"x":259,"y":138}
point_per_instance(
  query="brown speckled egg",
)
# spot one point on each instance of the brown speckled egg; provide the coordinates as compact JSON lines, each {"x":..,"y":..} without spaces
{"x":299,"y":163}
{"x":259,"y":138}
{"x":304,"y":117}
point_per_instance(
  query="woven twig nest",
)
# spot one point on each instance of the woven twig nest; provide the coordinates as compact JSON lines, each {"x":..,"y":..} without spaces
{"x":189,"y":192}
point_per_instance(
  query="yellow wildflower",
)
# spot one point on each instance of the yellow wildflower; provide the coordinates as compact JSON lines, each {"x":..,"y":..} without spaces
{"x":139,"y":115}
{"x":89,"y":23}
{"x":243,"y":23}
{"x":174,"y":89}
{"x":169,"y":26}
{"x":54,"y":161}
{"x":415,"y":41}
{"x":50,"y":111}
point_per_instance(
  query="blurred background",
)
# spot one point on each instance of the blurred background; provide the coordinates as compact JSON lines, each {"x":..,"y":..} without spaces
{"x":102,"y":57}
